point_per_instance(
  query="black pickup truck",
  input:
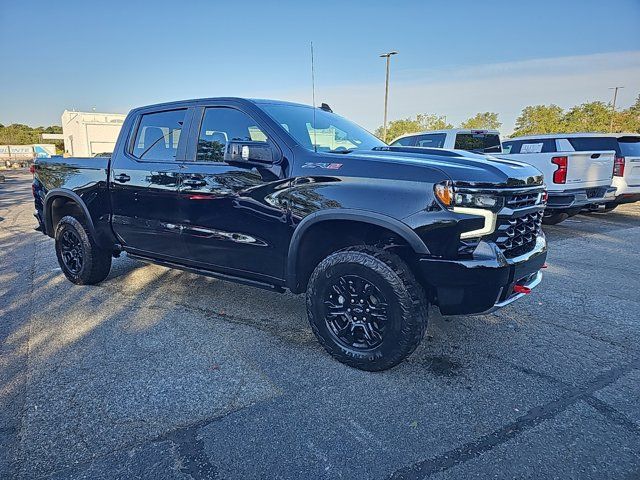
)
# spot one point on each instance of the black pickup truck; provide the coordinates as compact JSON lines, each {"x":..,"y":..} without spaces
{"x":286,"y":196}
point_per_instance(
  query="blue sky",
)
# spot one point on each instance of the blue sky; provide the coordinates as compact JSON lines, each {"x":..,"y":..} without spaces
{"x":456,"y":58}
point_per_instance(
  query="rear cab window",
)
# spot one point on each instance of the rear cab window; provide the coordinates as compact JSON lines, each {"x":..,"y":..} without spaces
{"x":629,"y":146}
{"x":481,"y":142}
{"x":158,"y":135}
{"x":591,"y":144}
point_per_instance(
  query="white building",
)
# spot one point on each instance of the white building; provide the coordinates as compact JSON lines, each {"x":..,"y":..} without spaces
{"x":88,"y":133}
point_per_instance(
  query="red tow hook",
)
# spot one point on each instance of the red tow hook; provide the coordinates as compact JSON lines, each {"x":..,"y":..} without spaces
{"x":521,"y":289}
{"x":545,"y":265}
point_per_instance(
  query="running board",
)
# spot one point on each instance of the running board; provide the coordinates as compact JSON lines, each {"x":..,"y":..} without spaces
{"x":208,"y":273}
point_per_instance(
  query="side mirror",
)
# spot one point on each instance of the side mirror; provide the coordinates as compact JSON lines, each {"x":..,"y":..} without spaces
{"x":250,"y":152}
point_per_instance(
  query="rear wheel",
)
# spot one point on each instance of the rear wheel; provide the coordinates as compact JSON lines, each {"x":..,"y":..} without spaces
{"x":82,"y":261}
{"x":366,"y":308}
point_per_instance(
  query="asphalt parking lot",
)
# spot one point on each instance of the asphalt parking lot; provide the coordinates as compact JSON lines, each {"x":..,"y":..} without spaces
{"x":162,"y":374}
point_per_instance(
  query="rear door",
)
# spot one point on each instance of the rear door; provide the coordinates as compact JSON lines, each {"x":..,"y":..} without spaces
{"x":144,"y":184}
{"x":234,"y":214}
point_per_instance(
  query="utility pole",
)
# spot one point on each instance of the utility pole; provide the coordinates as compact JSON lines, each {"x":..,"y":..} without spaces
{"x":613,"y":110}
{"x":386,"y":93}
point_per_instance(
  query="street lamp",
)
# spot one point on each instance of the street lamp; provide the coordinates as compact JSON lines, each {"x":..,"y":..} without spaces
{"x":613,"y":109}
{"x":386,"y":93}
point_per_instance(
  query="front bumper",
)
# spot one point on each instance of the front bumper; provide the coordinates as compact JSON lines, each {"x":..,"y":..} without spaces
{"x":484,"y":283}
{"x":580,"y":197}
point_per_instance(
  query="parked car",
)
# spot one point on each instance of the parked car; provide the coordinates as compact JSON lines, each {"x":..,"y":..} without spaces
{"x":284,"y":196}
{"x":478,"y":141}
{"x":578,"y":170}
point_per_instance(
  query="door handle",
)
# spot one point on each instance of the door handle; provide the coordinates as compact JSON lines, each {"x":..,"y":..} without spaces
{"x":194,"y":182}
{"x":122,"y":178}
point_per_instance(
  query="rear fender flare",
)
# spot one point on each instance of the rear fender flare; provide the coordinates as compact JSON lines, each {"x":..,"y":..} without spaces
{"x":74,"y":197}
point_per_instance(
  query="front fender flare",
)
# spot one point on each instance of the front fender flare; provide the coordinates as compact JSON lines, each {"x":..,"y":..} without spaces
{"x":364,"y":216}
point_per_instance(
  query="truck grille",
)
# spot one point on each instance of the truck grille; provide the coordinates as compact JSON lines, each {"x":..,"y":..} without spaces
{"x":521,"y":200}
{"x":517,"y":235}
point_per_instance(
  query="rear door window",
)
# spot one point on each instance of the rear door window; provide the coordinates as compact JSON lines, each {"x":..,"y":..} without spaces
{"x":431,"y":140}
{"x":478,"y":142}
{"x":158,"y":135}
{"x":404,"y":142}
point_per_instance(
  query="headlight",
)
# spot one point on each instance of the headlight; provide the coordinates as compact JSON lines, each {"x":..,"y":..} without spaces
{"x":478,"y":204}
{"x":475,"y":200}
{"x":450,"y":198}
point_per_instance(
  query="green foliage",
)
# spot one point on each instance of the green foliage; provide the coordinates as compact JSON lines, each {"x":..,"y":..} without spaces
{"x":19,"y":134}
{"x":588,"y":117}
{"x":422,"y":122}
{"x":482,"y":121}
{"x":537,"y":119}
{"x":628,"y":120}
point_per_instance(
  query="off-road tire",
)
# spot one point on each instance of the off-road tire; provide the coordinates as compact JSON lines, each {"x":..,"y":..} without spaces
{"x":406,"y":300}
{"x":554,"y":218}
{"x":96,"y":261}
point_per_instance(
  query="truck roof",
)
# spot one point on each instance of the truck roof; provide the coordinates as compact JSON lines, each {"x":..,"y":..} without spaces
{"x":256,"y":101}
{"x":575,"y":134}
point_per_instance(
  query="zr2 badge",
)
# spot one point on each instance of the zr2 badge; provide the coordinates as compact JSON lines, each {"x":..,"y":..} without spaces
{"x":324,"y":166}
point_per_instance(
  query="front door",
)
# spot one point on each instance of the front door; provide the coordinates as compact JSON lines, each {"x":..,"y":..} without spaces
{"x":234,"y":214}
{"x":144,"y":186}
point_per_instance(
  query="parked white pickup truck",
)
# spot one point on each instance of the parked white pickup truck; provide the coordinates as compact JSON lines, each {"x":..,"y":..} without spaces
{"x":478,"y":141}
{"x":577,"y":168}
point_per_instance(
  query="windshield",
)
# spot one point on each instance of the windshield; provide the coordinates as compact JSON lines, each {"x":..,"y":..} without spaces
{"x":329,"y":133}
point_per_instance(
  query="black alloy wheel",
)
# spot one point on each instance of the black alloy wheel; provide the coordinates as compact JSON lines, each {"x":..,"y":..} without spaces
{"x":355,"y":312}
{"x":71,"y":251}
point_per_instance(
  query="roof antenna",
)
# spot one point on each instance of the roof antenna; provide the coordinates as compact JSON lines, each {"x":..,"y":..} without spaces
{"x":313,"y":96}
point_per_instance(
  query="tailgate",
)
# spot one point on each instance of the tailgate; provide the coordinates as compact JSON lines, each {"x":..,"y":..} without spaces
{"x":589,"y":169}
{"x":632,"y":171}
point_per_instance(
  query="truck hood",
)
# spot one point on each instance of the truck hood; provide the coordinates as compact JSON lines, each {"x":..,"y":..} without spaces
{"x":463,"y":168}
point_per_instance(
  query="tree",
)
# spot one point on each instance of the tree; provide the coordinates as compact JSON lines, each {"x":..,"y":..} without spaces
{"x":484,"y":121}
{"x":628,"y":120}
{"x":588,"y":117}
{"x":422,"y":122}
{"x":19,"y":134}
{"x":536,"y":119}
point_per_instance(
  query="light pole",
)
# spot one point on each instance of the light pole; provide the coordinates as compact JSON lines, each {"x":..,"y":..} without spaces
{"x":613,"y":110}
{"x":386,"y":94}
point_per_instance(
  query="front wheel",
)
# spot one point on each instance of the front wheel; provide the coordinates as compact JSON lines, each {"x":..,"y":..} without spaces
{"x":366,"y":308}
{"x":82,"y":261}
